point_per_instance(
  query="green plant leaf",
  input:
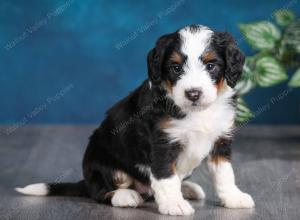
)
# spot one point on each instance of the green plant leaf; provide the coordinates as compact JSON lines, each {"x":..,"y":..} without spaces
{"x":291,"y":36}
{"x":244,"y":86}
{"x":284,"y":17}
{"x":243,"y":113}
{"x":246,"y":83}
{"x":261,"y":35}
{"x":295,"y":80}
{"x":269,"y":71}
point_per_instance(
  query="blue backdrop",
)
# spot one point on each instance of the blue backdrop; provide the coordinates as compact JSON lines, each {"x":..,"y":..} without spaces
{"x":68,"y":61}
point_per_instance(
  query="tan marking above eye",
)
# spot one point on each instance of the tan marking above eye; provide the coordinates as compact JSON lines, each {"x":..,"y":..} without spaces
{"x":176,"y":57}
{"x":208,"y":56}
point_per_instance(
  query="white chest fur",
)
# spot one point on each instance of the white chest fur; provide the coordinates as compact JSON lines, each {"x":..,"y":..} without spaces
{"x":198,"y":131}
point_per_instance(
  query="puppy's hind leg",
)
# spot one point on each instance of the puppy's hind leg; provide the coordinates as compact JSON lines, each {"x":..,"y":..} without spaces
{"x":123,"y":196}
{"x":192,"y":191}
{"x":110,"y":186}
{"x":126,"y":198}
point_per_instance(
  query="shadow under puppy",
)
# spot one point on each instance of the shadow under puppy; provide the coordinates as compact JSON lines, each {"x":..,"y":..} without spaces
{"x":151,"y":141}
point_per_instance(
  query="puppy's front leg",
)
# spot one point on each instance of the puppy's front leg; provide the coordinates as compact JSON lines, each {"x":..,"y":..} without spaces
{"x":223,"y":177}
{"x":165,"y":181}
{"x":168,"y":196}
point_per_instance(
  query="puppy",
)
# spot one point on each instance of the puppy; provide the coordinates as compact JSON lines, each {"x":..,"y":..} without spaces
{"x":151,"y":141}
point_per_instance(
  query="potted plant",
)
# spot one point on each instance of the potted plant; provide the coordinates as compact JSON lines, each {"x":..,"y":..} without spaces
{"x":277,"y":48}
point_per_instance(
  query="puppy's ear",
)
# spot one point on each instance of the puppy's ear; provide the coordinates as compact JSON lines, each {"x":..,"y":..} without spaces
{"x":155,"y":58}
{"x":234,"y":58}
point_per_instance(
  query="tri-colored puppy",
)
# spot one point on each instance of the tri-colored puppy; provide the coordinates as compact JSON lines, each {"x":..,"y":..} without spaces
{"x":151,"y":141}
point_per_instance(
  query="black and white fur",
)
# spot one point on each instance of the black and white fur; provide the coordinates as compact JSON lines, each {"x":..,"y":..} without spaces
{"x":151,"y":141}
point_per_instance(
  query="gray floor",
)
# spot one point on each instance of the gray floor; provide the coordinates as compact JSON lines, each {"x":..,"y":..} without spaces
{"x":266,"y":162}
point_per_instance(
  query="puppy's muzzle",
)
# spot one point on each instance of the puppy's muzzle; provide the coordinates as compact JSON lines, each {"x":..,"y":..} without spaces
{"x":193,"y":94}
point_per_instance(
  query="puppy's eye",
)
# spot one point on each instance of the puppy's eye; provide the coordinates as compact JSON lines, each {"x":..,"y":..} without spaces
{"x":210,"y":66}
{"x":176,"y":69}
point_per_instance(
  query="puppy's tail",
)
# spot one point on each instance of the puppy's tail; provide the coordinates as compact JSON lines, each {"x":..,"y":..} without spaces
{"x":55,"y":189}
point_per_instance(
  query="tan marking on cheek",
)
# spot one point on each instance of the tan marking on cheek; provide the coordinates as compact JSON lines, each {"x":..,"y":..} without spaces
{"x":164,"y":123}
{"x":169,"y":86}
{"x":220,"y":85}
{"x":174,"y":167}
{"x":208,"y":56}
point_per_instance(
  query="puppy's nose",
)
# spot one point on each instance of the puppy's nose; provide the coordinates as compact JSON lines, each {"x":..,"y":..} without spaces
{"x":193,"y":94}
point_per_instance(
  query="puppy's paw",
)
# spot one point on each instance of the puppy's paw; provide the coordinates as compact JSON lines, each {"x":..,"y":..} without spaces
{"x":126,"y":198}
{"x":237,"y":199}
{"x":176,"y":207}
{"x":192,"y":191}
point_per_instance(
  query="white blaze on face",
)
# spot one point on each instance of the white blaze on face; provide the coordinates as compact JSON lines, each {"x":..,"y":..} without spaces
{"x":195,"y":75}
